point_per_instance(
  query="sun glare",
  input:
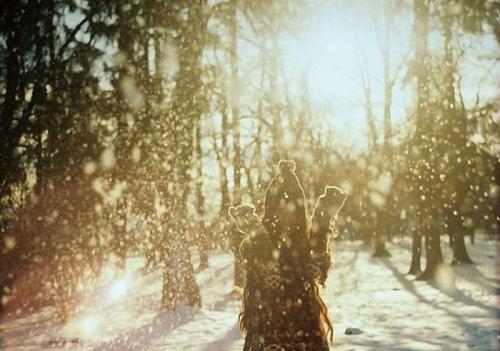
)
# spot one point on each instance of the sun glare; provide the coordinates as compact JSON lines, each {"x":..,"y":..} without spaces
{"x":89,"y":325}
{"x":119,"y":288}
{"x":329,"y":53}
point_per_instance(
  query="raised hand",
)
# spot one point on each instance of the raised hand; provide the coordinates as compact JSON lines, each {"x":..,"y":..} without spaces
{"x":327,"y":208}
{"x":245,"y":219}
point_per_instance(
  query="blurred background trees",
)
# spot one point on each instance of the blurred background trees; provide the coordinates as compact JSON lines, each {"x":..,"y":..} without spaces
{"x":129,"y":128}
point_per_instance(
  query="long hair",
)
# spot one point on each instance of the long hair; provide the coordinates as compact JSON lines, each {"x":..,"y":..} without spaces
{"x":286,"y":222}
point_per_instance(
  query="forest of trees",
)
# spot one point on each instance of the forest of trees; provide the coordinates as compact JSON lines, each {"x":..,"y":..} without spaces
{"x":127,"y":128}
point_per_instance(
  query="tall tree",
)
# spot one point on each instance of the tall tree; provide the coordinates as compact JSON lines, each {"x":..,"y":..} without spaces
{"x":237,"y":159}
{"x":456,"y":147}
{"x":425,"y":167}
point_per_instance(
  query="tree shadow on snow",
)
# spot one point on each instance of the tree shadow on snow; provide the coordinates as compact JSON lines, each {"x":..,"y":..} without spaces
{"x":472,"y":329}
{"x":231,"y":337}
{"x":139,"y":339}
{"x":473,"y":274}
{"x":459,"y":296}
{"x":221,"y":305}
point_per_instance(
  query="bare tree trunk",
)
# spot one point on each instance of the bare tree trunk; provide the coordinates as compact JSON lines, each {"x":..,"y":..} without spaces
{"x":203,"y":241}
{"x":237,"y":158}
{"x":170,"y":292}
{"x":376,"y":220}
{"x":385,"y":215}
{"x":426,"y":202}
{"x":259,"y":159}
{"x":187,"y":109}
{"x":370,"y":120}
{"x":237,"y":161}
{"x":456,"y":144}
{"x":416,"y":249}
{"x":457,"y":230}
{"x":222,"y":159}
{"x":276,"y":129}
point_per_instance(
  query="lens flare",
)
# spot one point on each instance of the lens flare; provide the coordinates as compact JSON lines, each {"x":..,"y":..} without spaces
{"x":119,"y":289}
{"x":89,"y":325}
{"x":445,"y":278}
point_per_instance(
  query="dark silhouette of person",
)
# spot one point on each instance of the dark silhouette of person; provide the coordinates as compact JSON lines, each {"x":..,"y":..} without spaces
{"x":282,"y":306}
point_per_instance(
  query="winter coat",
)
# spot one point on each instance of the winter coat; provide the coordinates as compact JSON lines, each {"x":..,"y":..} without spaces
{"x":281,"y":312}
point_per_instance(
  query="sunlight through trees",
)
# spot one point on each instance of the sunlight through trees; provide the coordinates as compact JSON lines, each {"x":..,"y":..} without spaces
{"x":132,"y":129}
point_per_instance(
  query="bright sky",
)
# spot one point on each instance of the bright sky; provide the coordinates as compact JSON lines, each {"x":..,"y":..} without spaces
{"x":339,"y":35}
{"x":334,"y":43}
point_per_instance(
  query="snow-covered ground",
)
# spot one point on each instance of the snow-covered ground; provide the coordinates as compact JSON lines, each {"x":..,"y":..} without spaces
{"x":395,"y":312}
